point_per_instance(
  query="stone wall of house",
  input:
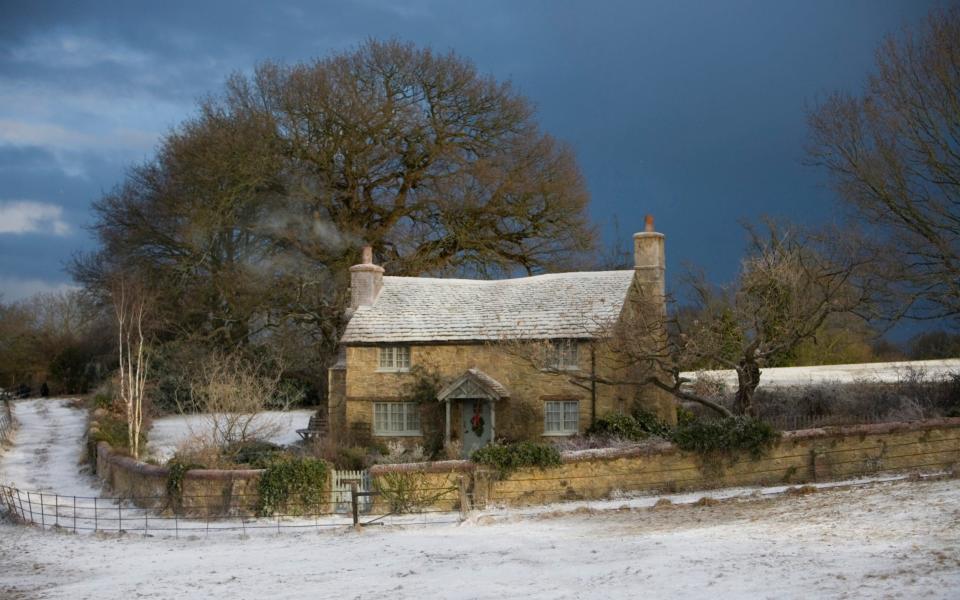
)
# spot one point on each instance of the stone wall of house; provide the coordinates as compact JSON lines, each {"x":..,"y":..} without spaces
{"x":799,"y":457}
{"x":520,"y":416}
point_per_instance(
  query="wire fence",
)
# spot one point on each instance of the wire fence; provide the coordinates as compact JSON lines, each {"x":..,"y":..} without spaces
{"x":796,"y":422}
{"x":205,"y":515}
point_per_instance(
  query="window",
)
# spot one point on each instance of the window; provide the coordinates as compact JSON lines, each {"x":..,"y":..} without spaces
{"x":394,"y":358}
{"x":561,"y":417}
{"x":561,"y":354}
{"x":396,"y":418}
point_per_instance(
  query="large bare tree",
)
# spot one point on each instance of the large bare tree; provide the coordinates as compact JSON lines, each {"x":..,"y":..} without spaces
{"x":253,"y":210}
{"x":893,"y":151}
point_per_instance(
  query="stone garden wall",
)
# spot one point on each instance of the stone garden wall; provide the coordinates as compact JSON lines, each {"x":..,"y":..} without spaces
{"x":799,"y":457}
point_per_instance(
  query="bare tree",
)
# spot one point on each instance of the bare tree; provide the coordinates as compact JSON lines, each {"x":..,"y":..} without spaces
{"x":893,"y":152}
{"x":789,"y":284}
{"x":252,"y":212}
{"x":130,"y":303}
{"x":234,"y":392}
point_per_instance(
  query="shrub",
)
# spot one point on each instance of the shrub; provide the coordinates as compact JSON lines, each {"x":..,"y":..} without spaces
{"x":257,"y":453}
{"x":685,"y":416}
{"x":406,"y":491}
{"x":651,"y":423}
{"x":112,"y":429}
{"x":726,"y":436}
{"x":353,"y":459}
{"x":617,"y":426}
{"x":397,"y":454}
{"x":292,"y":485}
{"x":507,"y":458}
{"x":175,"y":474}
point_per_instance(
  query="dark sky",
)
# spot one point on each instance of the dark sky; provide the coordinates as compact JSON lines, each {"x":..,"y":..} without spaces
{"x":692,"y":111}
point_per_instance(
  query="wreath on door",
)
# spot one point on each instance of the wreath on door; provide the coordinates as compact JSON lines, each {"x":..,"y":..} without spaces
{"x":476,"y":421}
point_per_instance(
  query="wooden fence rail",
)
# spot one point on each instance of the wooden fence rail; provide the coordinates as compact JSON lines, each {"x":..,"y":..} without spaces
{"x":6,"y":417}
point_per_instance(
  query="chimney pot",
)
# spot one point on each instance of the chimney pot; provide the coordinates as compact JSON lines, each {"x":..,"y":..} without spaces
{"x":368,"y":255}
{"x":648,"y":225}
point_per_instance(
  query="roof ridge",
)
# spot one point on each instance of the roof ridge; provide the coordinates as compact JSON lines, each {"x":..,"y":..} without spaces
{"x":539,"y":277}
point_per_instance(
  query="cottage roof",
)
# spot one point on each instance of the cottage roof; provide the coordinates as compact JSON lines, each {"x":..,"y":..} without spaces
{"x":423,"y":309}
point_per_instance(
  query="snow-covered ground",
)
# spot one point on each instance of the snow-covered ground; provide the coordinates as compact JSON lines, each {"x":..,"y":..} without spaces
{"x":886,"y":540}
{"x":167,"y":433}
{"x":895,"y":538}
{"x":48,"y":448}
{"x":890,"y":372}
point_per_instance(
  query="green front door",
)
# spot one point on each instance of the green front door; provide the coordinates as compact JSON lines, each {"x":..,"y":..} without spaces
{"x":476,"y":427}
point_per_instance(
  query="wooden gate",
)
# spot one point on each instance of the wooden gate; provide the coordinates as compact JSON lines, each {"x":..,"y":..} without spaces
{"x":341,"y":486}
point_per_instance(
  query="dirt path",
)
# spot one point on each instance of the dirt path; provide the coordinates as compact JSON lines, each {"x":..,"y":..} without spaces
{"x":48,"y":449}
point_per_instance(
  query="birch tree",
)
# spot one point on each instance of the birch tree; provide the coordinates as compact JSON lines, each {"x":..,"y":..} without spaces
{"x":130,"y":305}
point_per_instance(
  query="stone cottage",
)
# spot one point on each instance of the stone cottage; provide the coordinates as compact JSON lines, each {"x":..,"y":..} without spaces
{"x":468,"y":337}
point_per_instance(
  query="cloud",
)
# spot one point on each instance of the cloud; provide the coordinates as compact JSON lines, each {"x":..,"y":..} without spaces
{"x":26,"y":216}
{"x":76,"y":51}
{"x":14,"y":288}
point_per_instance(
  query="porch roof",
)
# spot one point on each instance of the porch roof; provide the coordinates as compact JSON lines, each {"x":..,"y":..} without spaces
{"x":474,"y":383}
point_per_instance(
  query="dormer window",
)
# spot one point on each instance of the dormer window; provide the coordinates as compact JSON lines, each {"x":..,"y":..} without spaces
{"x":394,"y":358}
{"x":562,"y":355}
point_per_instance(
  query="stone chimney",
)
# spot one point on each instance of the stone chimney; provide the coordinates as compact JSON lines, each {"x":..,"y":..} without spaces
{"x":649,"y":259}
{"x":366,"y":281}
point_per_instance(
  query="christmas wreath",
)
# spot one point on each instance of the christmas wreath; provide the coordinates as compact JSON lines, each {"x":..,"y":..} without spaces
{"x":476,"y":424}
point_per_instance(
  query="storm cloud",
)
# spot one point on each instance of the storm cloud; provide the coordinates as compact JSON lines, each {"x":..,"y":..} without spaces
{"x":692,"y":111}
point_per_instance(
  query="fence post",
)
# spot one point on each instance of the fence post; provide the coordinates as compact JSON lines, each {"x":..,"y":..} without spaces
{"x":96,"y":516}
{"x":464,"y":498}
{"x":43,"y":519}
{"x":74,"y":514}
{"x":354,"y":503}
{"x":23,"y":515}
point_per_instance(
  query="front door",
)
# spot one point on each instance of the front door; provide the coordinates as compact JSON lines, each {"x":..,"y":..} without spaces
{"x":475,"y":424}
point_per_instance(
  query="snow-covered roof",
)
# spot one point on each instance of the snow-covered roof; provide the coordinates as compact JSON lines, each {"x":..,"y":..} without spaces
{"x":422,"y":309}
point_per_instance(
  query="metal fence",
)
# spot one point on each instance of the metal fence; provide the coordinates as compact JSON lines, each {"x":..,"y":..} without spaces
{"x":797,"y":422}
{"x":77,"y":514}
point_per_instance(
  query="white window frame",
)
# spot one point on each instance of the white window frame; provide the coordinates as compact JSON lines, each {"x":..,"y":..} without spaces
{"x":396,"y":419}
{"x":562,"y":355}
{"x":393,"y":359}
{"x":561,"y":417}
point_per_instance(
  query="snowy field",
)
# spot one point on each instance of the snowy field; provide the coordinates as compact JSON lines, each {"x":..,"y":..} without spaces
{"x":887,"y":540}
{"x":167,"y":433}
{"x":882,"y":539}
{"x":890,"y":372}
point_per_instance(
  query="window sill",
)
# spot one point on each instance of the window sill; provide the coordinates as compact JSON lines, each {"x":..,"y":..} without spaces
{"x":399,"y":434}
{"x":560,"y":433}
{"x":560,"y":369}
{"x":382,"y":370}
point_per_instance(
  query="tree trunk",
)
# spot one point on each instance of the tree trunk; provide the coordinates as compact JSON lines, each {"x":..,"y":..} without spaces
{"x":748,"y":378}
